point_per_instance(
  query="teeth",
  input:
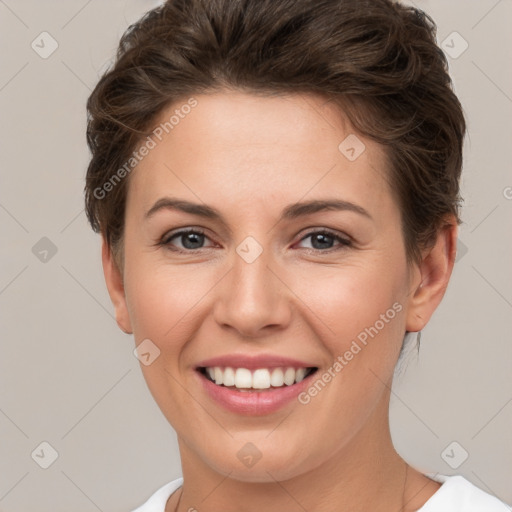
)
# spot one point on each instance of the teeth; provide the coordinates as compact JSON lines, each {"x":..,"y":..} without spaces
{"x":300,"y":374}
{"x":217,"y":372}
{"x":289,"y":376}
{"x":243,"y":378}
{"x":277,"y":378}
{"x":262,"y":378}
{"x":228,"y":378}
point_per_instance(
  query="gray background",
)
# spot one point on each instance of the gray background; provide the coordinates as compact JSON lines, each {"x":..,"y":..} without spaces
{"x":67,"y":373}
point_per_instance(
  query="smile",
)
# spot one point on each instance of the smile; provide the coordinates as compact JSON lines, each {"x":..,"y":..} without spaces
{"x":244,"y":379}
{"x":254,"y":392}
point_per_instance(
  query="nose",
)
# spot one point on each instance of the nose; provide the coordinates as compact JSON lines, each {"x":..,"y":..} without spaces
{"x":253,"y":298}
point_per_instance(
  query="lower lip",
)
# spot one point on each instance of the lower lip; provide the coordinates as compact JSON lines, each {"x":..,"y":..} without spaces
{"x":253,"y":403}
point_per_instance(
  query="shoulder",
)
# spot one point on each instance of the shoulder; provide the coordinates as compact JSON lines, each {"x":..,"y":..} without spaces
{"x":457,"y":494}
{"x":157,"y":501}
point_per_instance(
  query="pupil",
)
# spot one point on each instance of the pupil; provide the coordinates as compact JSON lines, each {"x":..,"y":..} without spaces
{"x":189,"y":237}
{"x":322,"y":237}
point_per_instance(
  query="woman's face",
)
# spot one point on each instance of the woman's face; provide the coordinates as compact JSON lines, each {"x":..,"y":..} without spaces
{"x":266,"y":278}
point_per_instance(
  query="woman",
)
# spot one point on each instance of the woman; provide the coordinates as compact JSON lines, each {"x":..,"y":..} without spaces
{"x":277,"y":187}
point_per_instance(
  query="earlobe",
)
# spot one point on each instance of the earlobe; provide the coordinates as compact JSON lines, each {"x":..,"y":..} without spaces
{"x":435,"y":271}
{"x":115,"y":286}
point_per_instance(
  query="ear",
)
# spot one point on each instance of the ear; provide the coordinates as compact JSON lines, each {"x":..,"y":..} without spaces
{"x":435,"y":270}
{"x":115,"y":286}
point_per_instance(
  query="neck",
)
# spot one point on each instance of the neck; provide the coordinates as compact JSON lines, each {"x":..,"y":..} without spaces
{"x":365,"y":474}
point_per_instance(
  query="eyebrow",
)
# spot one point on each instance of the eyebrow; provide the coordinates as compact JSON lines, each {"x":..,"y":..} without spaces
{"x":292,"y":211}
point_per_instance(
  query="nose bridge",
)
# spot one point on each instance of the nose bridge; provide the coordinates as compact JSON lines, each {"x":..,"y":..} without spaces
{"x":252,"y":297}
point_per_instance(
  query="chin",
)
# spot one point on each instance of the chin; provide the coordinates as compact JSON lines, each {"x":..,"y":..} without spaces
{"x":244,"y":462}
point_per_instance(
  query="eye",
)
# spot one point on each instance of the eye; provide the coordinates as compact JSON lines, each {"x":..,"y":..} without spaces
{"x":323,"y":239}
{"x":190,"y":239}
{"x":193,"y":239}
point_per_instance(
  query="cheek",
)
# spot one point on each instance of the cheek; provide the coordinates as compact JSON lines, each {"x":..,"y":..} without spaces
{"x":347,"y":299}
{"x":165,"y":307}
{"x":358,"y":315}
{"x":164,"y":301}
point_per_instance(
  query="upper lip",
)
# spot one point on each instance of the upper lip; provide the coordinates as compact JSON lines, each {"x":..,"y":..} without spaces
{"x":254,"y":362}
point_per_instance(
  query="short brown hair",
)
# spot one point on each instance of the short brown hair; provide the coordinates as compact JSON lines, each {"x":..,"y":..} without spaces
{"x":377,"y":59}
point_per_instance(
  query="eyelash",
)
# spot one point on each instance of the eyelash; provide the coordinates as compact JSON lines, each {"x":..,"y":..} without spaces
{"x":344,"y":242}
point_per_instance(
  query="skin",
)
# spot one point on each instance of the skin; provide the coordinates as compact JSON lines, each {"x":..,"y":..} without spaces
{"x":296,"y":299}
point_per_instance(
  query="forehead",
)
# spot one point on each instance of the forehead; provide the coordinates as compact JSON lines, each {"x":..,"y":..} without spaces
{"x":233,"y":147}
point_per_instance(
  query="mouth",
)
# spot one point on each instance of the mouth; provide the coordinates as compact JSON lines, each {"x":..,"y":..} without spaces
{"x":258,"y":391}
{"x":254,"y":384}
{"x":255,"y":380}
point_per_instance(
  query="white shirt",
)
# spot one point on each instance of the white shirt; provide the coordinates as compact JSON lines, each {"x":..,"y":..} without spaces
{"x":456,"y":494}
